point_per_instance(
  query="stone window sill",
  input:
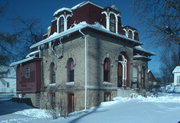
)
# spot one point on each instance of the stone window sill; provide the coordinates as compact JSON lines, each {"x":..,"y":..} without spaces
{"x":70,"y":83}
{"x":107,"y":83}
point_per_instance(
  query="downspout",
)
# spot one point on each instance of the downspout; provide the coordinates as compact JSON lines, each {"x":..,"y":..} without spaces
{"x":85,"y":69}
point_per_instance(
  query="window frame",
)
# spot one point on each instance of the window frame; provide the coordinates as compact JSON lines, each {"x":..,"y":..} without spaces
{"x":107,"y":70}
{"x":61,"y":24}
{"x":52,"y":73}
{"x":70,"y":70}
{"x":112,"y":23}
{"x":130,"y":34}
{"x":135,"y":74}
{"x":178,"y":80}
{"x":27,"y":72}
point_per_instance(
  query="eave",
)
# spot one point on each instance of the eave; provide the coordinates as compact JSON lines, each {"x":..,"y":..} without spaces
{"x":81,"y":26}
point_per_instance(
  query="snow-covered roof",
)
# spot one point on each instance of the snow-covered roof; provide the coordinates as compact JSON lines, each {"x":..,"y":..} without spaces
{"x":140,"y":56}
{"x":61,"y":10}
{"x":3,"y":68}
{"x":22,"y":61}
{"x":78,"y":27}
{"x":8,"y":71}
{"x":75,"y":7}
{"x":176,"y":70}
{"x":142,"y":49}
{"x":32,"y":53}
{"x":84,"y":3}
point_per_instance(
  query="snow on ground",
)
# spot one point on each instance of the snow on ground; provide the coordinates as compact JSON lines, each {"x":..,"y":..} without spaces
{"x":137,"y":109}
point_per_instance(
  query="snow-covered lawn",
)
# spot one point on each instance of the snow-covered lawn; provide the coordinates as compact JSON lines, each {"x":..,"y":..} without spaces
{"x":163,"y":109}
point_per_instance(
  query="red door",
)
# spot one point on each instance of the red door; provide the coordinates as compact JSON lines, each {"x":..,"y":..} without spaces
{"x":70,"y":102}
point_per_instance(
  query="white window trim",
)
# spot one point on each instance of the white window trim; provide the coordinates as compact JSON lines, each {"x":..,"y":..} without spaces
{"x":108,"y":20}
{"x":65,"y":22}
{"x":127,"y":32}
{"x":107,"y":83}
{"x":124,"y":66}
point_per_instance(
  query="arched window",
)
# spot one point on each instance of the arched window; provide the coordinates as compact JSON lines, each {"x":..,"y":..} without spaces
{"x":52,"y":73}
{"x":107,"y":70}
{"x":70,"y":70}
{"x":112,"y":23}
{"x":130,"y":34}
{"x":61,"y":24}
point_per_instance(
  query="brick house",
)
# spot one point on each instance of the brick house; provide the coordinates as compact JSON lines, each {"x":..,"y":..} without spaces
{"x":86,"y":57}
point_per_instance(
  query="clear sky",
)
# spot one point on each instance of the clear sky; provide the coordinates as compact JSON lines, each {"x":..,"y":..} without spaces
{"x":44,"y":9}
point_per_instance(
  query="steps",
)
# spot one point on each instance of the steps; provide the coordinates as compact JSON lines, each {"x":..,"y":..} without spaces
{"x":37,"y":100}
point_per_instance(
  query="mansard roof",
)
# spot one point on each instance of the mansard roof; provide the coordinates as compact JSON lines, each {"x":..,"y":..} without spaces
{"x":62,"y":10}
{"x":83,"y":4}
{"x":81,"y":26}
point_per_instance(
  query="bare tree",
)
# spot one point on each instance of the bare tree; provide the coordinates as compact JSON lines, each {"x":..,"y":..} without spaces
{"x":6,"y":40}
{"x":162,"y":20}
{"x":30,"y":33}
{"x":15,"y":45}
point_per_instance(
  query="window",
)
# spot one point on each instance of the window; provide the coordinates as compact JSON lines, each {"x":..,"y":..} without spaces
{"x":178,"y":80}
{"x":7,"y":84}
{"x":107,"y":96}
{"x":135,"y":74}
{"x":130,"y":34}
{"x":61,"y":24}
{"x":112,"y":23}
{"x":107,"y":70}
{"x":70,"y":70}
{"x":52,"y":73}
{"x":143,"y":76}
{"x":27,"y":72}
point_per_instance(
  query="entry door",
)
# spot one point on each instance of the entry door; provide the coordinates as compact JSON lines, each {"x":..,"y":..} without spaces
{"x":70,"y":102}
{"x":119,"y":77}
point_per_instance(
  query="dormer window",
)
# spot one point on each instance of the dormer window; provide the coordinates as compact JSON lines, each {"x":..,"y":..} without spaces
{"x":112,"y":23}
{"x":62,"y":16}
{"x":130,"y":34}
{"x":61,"y":24}
{"x":111,"y":19}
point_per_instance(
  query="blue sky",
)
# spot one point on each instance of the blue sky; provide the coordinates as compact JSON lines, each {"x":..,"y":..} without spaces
{"x":44,"y":9}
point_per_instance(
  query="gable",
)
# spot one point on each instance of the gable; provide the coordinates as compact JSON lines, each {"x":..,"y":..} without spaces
{"x":176,"y":70}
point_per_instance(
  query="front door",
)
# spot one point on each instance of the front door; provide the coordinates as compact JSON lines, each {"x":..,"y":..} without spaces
{"x":70,"y":102}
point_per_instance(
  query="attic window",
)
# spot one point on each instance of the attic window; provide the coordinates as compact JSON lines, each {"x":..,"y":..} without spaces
{"x":61,"y":24}
{"x":130,"y":34}
{"x":112,"y":23}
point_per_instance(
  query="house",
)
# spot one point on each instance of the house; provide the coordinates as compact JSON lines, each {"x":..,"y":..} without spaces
{"x":86,"y":57}
{"x":152,"y":81}
{"x":176,"y":73}
{"x":7,"y":80}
